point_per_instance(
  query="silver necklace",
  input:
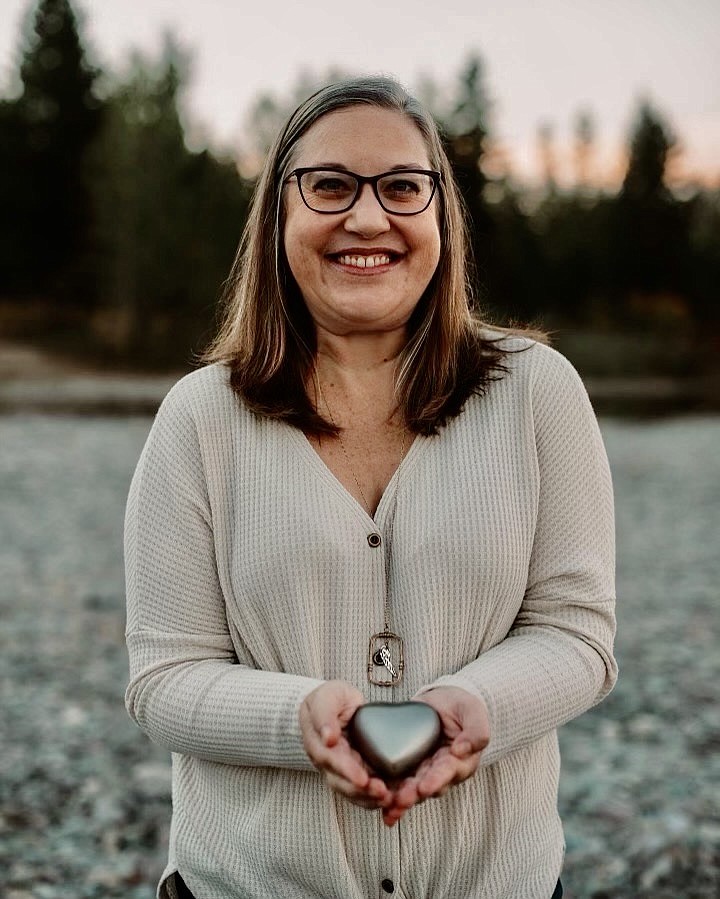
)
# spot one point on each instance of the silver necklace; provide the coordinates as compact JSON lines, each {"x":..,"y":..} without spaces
{"x":385,"y":649}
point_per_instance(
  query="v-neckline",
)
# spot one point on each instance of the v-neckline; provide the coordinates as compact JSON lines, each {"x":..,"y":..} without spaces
{"x":320,"y":466}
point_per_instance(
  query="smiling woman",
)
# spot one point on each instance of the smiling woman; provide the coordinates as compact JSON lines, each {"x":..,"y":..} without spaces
{"x":362,"y":268}
{"x":270,"y":340}
{"x":368,"y":496}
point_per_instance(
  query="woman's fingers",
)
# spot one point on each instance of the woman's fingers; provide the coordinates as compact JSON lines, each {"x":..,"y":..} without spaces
{"x":392,"y":815}
{"x":433,"y":779}
{"x":323,"y":717}
{"x":341,"y":760}
{"x":345,"y":763}
{"x":464,"y":718}
{"x":329,"y":708}
{"x":375,"y":794}
{"x":446,"y":771}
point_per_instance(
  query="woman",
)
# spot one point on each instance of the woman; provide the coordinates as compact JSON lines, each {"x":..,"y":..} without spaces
{"x":368,"y":496}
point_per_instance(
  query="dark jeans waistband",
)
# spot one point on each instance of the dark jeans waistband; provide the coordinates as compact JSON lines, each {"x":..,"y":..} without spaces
{"x":181,"y":888}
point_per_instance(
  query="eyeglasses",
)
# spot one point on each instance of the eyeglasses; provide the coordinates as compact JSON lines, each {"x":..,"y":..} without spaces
{"x":401,"y":192}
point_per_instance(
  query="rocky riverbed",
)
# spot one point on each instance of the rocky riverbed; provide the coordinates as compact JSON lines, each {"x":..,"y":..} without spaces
{"x":84,"y":797}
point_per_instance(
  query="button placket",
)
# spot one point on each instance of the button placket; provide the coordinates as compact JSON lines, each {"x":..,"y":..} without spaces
{"x":389,"y":838}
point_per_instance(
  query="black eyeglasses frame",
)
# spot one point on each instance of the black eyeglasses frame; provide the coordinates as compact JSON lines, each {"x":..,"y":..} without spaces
{"x":362,"y":180}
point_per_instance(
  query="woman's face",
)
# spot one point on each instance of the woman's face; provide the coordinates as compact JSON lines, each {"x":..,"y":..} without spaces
{"x":323,"y":251}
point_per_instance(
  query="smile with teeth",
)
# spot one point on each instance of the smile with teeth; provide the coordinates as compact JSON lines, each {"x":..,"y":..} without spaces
{"x":364,"y":261}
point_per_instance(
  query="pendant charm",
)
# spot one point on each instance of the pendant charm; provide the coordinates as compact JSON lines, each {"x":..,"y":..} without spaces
{"x":386,"y":662}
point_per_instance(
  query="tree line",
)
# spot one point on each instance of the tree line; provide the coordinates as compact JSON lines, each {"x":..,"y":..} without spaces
{"x":116,"y":238}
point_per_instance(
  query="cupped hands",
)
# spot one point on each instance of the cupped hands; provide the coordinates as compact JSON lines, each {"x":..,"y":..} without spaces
{"x":326,"y":712}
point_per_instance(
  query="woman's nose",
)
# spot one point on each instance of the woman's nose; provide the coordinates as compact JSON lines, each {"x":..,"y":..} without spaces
{"x":367,"y":216}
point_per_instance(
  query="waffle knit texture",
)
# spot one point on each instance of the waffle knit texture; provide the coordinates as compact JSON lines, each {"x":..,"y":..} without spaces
{"x":250,"y":581}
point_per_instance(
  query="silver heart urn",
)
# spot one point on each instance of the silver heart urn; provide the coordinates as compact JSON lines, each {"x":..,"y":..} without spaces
{"x":394,"y":737}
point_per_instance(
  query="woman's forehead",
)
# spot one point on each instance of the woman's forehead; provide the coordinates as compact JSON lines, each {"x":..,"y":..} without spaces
{"x":360,"y":137}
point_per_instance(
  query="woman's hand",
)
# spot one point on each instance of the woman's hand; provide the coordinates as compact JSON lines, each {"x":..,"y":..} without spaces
{"x":324,"y":714}
{"x":466,"y":727}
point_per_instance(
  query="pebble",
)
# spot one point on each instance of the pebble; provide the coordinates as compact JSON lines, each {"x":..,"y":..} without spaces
{"x":152,"y":780}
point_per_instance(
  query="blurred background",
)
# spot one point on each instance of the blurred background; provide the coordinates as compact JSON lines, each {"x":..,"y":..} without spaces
{"x":586,"y":141}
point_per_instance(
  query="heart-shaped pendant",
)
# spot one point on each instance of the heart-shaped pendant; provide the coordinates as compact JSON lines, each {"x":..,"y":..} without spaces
{"x":394,"y":738}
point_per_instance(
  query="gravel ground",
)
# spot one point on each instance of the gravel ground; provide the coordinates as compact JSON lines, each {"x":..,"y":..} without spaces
{"x":84,"y":797}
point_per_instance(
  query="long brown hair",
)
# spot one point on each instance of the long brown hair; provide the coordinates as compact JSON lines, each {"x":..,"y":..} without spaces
{"x":267,"y":336}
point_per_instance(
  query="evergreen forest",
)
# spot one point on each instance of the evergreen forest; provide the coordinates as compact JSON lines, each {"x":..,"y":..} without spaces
{"x":116,"y":237}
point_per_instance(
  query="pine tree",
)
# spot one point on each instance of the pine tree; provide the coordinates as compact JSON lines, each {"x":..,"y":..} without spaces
{"x":59,"y":114}
{"x":651,"y":242}
{"x":584,"y":133}
{"x":548,"y":156}
{"x":650,"y":146}
{"x":15,"y":223}
{"x":465,"y":129}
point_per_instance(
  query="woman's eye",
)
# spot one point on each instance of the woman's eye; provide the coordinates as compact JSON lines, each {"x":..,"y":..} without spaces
{"x":402,"y":187}
{"x":334,"y":186}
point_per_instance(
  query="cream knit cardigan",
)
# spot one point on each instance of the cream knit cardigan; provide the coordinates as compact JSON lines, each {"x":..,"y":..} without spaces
{"x":250,"y":581}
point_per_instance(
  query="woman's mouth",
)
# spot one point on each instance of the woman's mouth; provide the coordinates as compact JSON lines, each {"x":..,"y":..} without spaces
{"x":364,"y":260}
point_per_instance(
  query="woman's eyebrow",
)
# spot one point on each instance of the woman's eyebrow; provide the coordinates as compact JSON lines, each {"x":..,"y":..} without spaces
{"x":341,"y":167}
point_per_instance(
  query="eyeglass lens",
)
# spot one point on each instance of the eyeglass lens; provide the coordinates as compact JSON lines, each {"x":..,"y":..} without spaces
{"x":399,"y":192}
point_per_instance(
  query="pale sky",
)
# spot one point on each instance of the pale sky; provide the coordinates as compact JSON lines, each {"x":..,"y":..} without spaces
{"x":544,"y":61}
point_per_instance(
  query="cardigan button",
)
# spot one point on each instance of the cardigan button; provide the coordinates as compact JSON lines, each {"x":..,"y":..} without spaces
{"x":388,"y":885}
{"x":374,"y":540}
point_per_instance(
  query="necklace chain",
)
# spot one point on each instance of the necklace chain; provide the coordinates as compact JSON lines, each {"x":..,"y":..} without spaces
{"x":345,"y":453}
{"x":379,"y":652}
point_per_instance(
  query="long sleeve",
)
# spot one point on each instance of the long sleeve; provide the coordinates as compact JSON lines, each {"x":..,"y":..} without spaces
{"x":556,"y":660}
{"x":193,"y":689}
